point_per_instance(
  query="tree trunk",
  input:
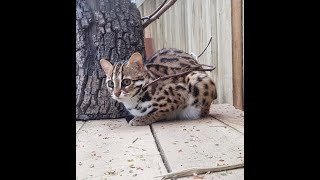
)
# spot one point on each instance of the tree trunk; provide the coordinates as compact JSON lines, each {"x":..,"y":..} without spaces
{"x":110,"y":29}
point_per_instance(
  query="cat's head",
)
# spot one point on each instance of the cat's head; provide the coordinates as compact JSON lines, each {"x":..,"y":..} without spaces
{"x":124,"y":80}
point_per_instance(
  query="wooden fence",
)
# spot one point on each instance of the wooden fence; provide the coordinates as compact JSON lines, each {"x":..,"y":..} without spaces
{"x":189,"y":24}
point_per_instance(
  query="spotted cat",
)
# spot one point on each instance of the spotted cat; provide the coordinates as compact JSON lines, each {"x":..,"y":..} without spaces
{"x":182,"y":97}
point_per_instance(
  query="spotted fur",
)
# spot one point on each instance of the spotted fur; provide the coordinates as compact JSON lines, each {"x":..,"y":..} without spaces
{"x":184,"y":97}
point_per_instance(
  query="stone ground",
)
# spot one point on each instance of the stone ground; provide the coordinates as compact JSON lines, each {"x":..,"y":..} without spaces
{"x":110,"y":149}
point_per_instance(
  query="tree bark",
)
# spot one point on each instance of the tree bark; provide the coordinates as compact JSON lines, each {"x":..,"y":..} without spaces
{"x":110,"y":29}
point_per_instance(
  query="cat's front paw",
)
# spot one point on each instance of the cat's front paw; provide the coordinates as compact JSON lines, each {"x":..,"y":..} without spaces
{"x":138,"y":122}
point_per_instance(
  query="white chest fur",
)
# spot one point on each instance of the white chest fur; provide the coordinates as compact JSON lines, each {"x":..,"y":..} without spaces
{"x":141,"y":110}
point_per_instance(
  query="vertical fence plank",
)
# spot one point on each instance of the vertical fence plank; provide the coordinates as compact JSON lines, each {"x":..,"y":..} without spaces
{"x":188,"y":25}
{"x":237,"y":54}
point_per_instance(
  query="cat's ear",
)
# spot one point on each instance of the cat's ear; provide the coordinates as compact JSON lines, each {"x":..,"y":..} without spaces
{"x":136,"y":59}
{"x":106,"y":66}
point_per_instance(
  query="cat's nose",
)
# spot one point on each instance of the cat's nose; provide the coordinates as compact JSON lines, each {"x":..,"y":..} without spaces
{"x":117,"y":93}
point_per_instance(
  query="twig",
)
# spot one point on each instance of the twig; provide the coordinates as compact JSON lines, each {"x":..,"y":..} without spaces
{"x":180,"y":74}
{"x":208,"y":65}
{"x":206,"y":47}
{"x":163,"y":8}
{"x":188,"y":172}
{"x":154,"y":12}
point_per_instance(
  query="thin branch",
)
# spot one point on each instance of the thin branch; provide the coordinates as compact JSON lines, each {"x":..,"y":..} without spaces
{"x":179,"y":74}
{"x":160,"y":11}
{"x":206,"y":47}
{"x":157,"y":10}
{"x":208,"y":65}
{"x":190,"y":172}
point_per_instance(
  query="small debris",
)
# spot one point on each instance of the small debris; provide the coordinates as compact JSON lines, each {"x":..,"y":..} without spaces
{"x":130,"y":171}
{"x":92,"y":165}
{"x":139,"y":168}
{"x":132,"y":166}
{"x":134,"y":175}
{"x":112,"y":172}
{"x":198,"y":177}
{"x":180,"y":150}
{"x":135,"y":140}
{"x":80,"y":163}
{"x":93,"y":153}
{"x":130,"y":160}
{"x":220,"y":163}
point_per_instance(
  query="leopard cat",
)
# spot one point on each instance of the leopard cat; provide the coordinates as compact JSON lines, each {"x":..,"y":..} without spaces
{"x":183,"y":97}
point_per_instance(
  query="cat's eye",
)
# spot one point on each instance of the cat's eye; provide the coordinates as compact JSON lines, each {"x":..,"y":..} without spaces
{"x":125,"y":82}
{"x":110,"y":84}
